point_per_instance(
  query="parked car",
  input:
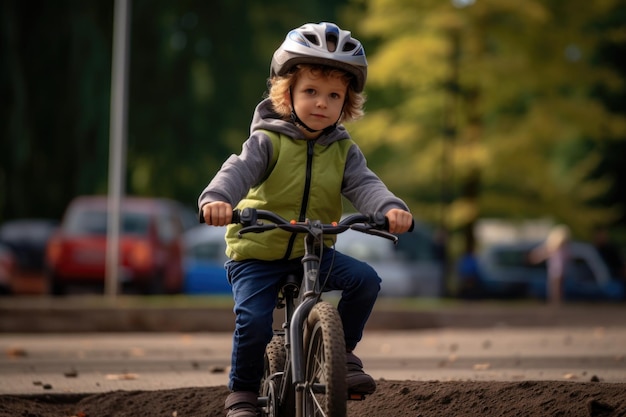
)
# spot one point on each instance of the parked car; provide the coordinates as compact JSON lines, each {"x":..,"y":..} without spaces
{"x":505,"y":271}
{"x":411,"y":268}
{"x":188,"y":217}
{"x":27,"y":239}
{"x":8,"y":264}
{"x":150,"y":244}
{"x":204,"y":258}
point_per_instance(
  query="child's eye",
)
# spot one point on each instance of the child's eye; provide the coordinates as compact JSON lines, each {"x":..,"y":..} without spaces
{"x":309,"y":91}
{"x":335,"y":96}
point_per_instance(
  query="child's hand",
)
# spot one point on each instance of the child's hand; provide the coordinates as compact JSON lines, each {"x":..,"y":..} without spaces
{"x":217,"y":213}
{"x":399,"y":220}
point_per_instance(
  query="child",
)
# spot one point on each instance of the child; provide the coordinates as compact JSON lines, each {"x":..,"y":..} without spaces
{"x":298,"y":162}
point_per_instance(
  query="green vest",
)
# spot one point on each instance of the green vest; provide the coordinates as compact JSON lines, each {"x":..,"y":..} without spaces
{"x":283,"y":191}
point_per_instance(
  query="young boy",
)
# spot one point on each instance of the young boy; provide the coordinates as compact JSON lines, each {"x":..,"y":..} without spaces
{"x":298,"y":162}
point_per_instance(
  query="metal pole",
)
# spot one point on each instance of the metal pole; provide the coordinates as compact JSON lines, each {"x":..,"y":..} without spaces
{"x":117,"y":141}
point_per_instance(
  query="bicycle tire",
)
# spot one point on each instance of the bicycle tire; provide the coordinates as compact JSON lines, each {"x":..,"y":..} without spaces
{"x":275,"y":359}
{"x":325,"y":394}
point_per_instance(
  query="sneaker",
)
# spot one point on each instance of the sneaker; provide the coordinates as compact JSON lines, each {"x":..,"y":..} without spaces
{"x":241,"y":404}
{"x":358,"y":381}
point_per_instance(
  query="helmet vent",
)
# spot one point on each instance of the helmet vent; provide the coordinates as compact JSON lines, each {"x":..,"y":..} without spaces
{"x":313,"y":39}
{"x":331,"y":42}
{"x":348,"y":46}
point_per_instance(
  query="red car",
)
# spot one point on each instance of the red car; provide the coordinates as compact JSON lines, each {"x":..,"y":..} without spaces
{"x":150,"y":241}
{"x":7,"y":269}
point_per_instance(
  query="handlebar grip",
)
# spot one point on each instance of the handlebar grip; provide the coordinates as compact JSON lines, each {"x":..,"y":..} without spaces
{"x":381,"y":222}
{"x":236,"y":216}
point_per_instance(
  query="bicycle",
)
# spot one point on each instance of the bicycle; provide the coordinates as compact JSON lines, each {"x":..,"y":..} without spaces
{"x":305,"y":362}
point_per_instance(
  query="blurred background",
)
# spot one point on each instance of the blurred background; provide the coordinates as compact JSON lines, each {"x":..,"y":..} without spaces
{"x":494,"y":120}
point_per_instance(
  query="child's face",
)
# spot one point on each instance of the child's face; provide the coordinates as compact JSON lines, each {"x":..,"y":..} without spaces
{"x":318,"y":100}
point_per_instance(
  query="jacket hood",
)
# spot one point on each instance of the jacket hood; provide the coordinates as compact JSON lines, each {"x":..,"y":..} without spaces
{"x":265,"y":118}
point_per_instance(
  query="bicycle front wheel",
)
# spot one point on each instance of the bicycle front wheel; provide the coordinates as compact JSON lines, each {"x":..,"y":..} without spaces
{"x":325,"y":392}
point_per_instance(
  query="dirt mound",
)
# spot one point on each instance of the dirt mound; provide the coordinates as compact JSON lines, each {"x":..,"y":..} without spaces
{"x":392,"y":399}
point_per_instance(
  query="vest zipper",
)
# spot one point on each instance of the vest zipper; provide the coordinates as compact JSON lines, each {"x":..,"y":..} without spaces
{"x":307,"y":182}
{"x":305,"y":196}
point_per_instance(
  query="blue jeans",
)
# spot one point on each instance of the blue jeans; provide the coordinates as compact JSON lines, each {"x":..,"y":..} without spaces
{"x":255,"y":290}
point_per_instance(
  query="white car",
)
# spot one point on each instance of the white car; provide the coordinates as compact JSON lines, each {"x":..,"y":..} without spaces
{"x":409,"y":269}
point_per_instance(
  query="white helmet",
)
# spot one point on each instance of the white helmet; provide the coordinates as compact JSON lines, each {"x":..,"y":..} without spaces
{"x":324,"y":44}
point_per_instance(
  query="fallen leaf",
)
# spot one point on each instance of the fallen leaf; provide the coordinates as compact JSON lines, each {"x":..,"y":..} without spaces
{"x":122,"y":377}
{"x":16,"y":352}
{"x":137,"y":352}
{"x":481,"y":366}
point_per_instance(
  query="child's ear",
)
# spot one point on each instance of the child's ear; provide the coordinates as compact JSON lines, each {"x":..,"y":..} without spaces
{"x":287,"y":98}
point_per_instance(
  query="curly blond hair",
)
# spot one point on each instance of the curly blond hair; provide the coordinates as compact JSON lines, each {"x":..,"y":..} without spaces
{"x":280,"y":85}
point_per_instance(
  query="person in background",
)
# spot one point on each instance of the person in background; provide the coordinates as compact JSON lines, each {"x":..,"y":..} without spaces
{"x":555,"y":252}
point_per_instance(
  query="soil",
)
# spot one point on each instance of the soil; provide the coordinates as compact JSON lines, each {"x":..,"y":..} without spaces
{"x":392,"y":399}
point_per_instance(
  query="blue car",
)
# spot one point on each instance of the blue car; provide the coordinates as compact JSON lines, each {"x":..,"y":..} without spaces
{"x":505,"y":272}
{"x":204,"y":260}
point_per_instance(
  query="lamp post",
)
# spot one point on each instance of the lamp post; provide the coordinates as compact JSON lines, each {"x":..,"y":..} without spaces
{"x":117,"y":142}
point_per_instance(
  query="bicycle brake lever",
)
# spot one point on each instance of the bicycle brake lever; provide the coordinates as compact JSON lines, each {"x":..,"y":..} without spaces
{"x":256,"y":228}
{"x":370,"y":230}
{"x":384,"y":234}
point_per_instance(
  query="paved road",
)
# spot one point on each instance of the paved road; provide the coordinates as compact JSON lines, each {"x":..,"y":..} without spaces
{"x":101,"y":362}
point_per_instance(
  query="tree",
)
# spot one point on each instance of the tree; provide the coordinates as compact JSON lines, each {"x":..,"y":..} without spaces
{"x":493,"y":101}
{"x":197,"y":69}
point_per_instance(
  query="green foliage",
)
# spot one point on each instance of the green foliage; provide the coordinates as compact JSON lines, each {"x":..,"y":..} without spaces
{"x":197,"y":70}
{"x":493,"y":104}
{"x":500,"y":108}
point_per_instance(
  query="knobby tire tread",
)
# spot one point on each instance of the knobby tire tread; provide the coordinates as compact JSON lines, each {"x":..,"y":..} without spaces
{"x":275,"y":359}
{"x":324,"y":337}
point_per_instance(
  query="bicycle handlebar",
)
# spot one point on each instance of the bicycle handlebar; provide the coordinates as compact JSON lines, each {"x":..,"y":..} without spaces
{"x":375,"y":224}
